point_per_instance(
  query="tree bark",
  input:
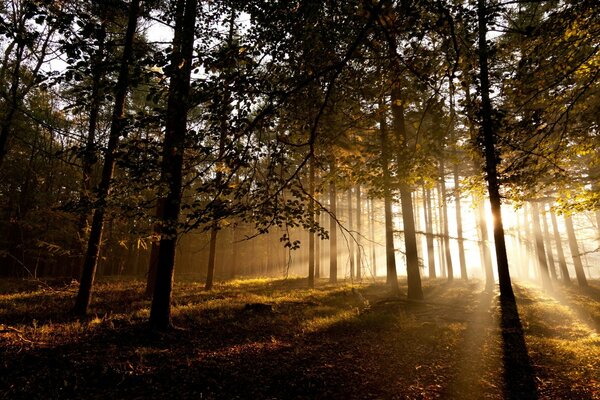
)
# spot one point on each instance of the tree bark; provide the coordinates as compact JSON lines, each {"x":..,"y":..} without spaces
{"x":446,"y":233}
{"x":90,"y":263}
{"x":390,"y":253}
{"x":358,"y":235}
{"x":562,"y":262}
{"x":459,"y":228}
{"x":311,"y":235}
{"x":491,"y":161}
{"x":413,"y":275}
{"x":548,"y":243}
{"x":212,"y":255}
{"x":153,"y":263}
{"x":429,"y":232}
{"x":539,"y":246}
{"x":332,"y":226}
{"x":579,"y":272}
{"x":172,"y":158}
{"x":372,"y":236}
{"x":89,"y":154}
{"x":351,"y":239}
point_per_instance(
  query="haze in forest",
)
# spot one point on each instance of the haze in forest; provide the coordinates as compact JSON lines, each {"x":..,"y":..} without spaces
{"x":155,"y":144}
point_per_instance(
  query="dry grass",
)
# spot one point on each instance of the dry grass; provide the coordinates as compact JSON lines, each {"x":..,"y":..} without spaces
{"x":327,"y":342}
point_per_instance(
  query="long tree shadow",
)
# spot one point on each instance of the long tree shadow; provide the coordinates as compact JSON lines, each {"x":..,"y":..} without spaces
{"x":519,"y":377}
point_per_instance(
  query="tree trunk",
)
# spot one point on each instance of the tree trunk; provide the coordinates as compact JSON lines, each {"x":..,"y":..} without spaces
{"x":459,"y":229}
{"x":548,"y":243}
{"x":318,"y":250}
{"x":413,"y":275}
{"x":579,"y":272}
{"x":172,"y":160}
{"x":491,"y":161}
{"x":440,"y":234}
{"x":539,"y":246}
{"x":153,"y":263}
{"x":485,"y":247}
{"x":332,"y":226}
{"x":311,"y":235}
{"x":562,"y":263}
{"x":90,"y":263}
{"x":358,"y":235}
{"x":446,"y":232}
{"x":429,"y":232}
{"x":89,"y":154}
{"x":372,"y":236}
{"x":392,"y":276}
{"x":351,"y":239}
{"x":212,"y":255}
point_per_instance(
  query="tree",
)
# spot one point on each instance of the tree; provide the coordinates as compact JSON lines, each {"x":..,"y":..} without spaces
{"x":172,"y":157}
{"x":489,"y":139}
{"x":117,"y":127}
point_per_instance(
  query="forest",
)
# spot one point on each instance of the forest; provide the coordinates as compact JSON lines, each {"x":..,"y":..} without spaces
{"x":302,"y":199}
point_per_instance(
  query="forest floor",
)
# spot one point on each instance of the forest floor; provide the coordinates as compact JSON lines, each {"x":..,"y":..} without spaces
{"x":333,"y":342}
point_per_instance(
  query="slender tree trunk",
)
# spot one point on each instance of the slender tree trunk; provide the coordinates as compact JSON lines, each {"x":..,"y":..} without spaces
{"x":318,"y":250}
{"x":485,"y":247}
{"x":390,"y":253}
{"x":579,"y":272}
{"x":89,"y":156}
{"x":548,"y":243}
{"x":90,"y":263}
{"x":172,"y":160}
{"x":212,"y":254}
{"x":358,"y":236}
{"x":332,"y":226}
{"x":429,"y":232}
{"x":562,"y":262}
{"x":440,"y":234}
{"x":351,"y":240}
{"x":372,"y":236}
{"x":459,"y":228}
{"x":446,"y":233}
{"x":418,"y":229}
{"x":539,"y":246}
{"x":311,"y":235}
{"x":413,"y":275}
{"x":489,"y":138}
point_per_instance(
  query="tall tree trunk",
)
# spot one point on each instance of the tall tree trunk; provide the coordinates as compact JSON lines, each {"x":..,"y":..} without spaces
{"x":153,"y":262}
{"x":172,"y":160}
{"x":372,"y":236}
{"x":311,"y":235}
{"x":89,"y":154}
{"x":562,"y":262}
{"x":90,"y":263}
{"x":528,"y":246}
{"x":390,"y":253}
{"x":485,"y":247}
{"x":212,"y":255}
{"x":446,"y":233}
{"x":459,"y":228}
{"x":358,"y":236}
{"x":413,"y":275}
{"x":429,"y":232}
{"x":318,"y":250}
{"x":579,"y":272}
{"x":539,"y":246}
{"x":440,"y":233}
{"x":489,"y":138}
{"x":548,"y":243}
{"x":351,"y":241}
{"x":332,"y":226}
